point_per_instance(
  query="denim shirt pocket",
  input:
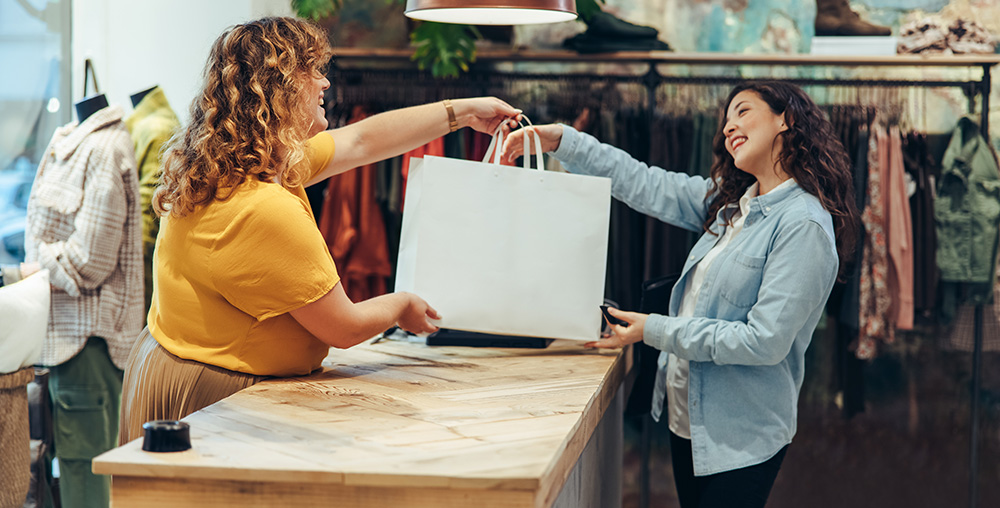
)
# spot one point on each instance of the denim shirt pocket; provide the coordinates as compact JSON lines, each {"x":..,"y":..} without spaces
{"x":739,"y":281}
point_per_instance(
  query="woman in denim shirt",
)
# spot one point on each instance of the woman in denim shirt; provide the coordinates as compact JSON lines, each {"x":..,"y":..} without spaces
{"x":779,"y":222}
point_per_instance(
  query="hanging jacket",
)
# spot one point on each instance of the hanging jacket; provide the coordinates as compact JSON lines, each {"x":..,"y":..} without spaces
{"x":151,"y":125}
{"x":967,"y":208}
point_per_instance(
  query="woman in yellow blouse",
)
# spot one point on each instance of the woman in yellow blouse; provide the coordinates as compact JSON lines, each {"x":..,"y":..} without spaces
{"x":245,"y":287}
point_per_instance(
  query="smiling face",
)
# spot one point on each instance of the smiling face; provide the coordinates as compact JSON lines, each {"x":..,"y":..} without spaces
{"x":751,"y":132}
{"x":313,"y":97}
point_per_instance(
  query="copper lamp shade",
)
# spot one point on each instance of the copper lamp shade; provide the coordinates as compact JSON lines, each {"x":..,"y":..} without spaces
{"x":492,"y":12}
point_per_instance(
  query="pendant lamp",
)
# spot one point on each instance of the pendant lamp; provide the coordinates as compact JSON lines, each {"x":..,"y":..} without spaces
{"x":492,"y":12}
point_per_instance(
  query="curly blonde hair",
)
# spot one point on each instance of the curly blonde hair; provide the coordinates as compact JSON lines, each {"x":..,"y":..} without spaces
{"x":249,"y":121}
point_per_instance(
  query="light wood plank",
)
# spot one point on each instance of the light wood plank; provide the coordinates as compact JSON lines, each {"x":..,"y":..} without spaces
{"x":139,"y":492}
{"x":395,"y":415}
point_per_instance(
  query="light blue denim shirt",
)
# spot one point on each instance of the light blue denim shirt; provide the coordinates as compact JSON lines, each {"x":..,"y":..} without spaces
{"x":755,"y":316}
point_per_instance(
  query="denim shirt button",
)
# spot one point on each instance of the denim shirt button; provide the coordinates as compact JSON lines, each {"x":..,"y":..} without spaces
{"x":768,"y":208}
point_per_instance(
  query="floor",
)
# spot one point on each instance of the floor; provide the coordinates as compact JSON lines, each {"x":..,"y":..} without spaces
{"x":909,"y":447}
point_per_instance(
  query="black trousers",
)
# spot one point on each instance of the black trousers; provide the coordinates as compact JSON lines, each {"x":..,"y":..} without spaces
{"x":740,"y":488}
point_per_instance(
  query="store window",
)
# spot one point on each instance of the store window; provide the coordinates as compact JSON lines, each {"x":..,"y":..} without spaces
{"x":34,"y":100}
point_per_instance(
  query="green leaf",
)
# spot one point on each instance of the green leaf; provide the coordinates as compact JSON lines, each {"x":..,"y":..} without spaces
{"x":444,"y":47}
{"x":447,"y":49}
{"x":315,"y":9}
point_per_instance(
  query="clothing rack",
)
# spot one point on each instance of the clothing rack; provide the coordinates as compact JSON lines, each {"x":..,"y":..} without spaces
{"x":355,"y":66}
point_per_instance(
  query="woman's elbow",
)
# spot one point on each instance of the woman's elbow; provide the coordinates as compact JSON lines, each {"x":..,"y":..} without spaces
{"x":342,"y":339}
{"x":772,"y":355}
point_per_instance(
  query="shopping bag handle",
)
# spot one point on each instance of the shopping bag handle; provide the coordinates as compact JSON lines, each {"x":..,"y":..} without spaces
{"x":496,"y":145}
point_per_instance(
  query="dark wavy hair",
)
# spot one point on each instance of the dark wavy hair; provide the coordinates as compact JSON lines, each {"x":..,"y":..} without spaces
{"x":810,"y":153}
{"x":249,"y":121}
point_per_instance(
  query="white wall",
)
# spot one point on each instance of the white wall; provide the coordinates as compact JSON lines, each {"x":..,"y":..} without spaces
{"x":135,"y":44}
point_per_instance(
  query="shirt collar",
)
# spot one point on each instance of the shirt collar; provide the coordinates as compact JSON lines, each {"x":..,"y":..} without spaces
{"x":751,"y":199}
{"x":154,"y":103}
{"x":747,"y":196}
{"x":784,"y":189}
{"x":75,"y":132}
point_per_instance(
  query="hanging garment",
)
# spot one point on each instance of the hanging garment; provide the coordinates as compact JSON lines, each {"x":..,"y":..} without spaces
{"x":899,"y":237}
{"x":967,"y":209}
{"x":666,"y":246}
{"x":625,"y":270}
{"x":845,"y":301}
{"x":151,"y":126}
{"x":435,"y":147}
{"x":352,"y":224}
{"x":918,"y":164}
{"x":84,"y":225}
{"x":478,"y":143}
{"x":705,"y":128}
{"x":966,"y":213}
{"x":875,"y":297}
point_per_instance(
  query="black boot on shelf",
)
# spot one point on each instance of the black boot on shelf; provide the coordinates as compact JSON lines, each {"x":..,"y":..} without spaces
{"x":607,"y":25}
{"x":607,"y":33}
{"x":835,"y":17}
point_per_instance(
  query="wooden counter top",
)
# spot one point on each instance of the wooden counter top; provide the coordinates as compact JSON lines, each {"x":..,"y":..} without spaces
{"x":389,"y":422}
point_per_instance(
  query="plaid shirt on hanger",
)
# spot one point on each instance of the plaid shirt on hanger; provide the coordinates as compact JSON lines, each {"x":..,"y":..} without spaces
{"x":84,"y":225}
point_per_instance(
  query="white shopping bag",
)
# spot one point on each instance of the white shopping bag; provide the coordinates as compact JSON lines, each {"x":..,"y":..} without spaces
{"x":506,"y":250}
{"x":24,"y":321}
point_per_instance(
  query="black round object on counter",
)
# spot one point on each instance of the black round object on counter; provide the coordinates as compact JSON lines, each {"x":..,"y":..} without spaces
{"x":166,"y":436}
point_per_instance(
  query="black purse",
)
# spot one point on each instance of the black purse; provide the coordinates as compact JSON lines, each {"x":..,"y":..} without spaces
{"x":655,"y":300}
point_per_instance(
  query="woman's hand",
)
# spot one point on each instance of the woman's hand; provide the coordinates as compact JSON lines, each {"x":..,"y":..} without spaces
{"x":622,"y":335}
{"x":513,"y":146}
{"x":485,"y":114}
{"x":415,"y":317}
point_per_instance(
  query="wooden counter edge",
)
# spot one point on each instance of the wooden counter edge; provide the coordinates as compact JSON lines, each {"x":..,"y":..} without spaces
{"x":146,"y":492}
{"x":569,"y":453}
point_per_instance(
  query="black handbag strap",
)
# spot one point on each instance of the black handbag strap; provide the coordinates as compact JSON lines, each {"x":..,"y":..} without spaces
{"x":88,"y":72}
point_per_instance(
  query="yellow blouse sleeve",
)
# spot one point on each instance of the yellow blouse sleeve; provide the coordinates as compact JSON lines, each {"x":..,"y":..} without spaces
{"x":271,"y":258}
{"x":319,"y":151}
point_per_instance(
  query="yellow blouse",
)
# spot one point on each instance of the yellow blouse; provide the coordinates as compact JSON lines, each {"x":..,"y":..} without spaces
{"x":227,"y":274}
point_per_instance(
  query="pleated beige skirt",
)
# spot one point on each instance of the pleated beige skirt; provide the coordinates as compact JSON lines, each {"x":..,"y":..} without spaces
{"x":161,"y":386}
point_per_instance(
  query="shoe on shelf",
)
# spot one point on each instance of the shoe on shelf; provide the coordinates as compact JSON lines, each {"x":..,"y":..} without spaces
{"x":603,"y":24}
{"x":835,"y":17}
{"x":585,"y":43}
